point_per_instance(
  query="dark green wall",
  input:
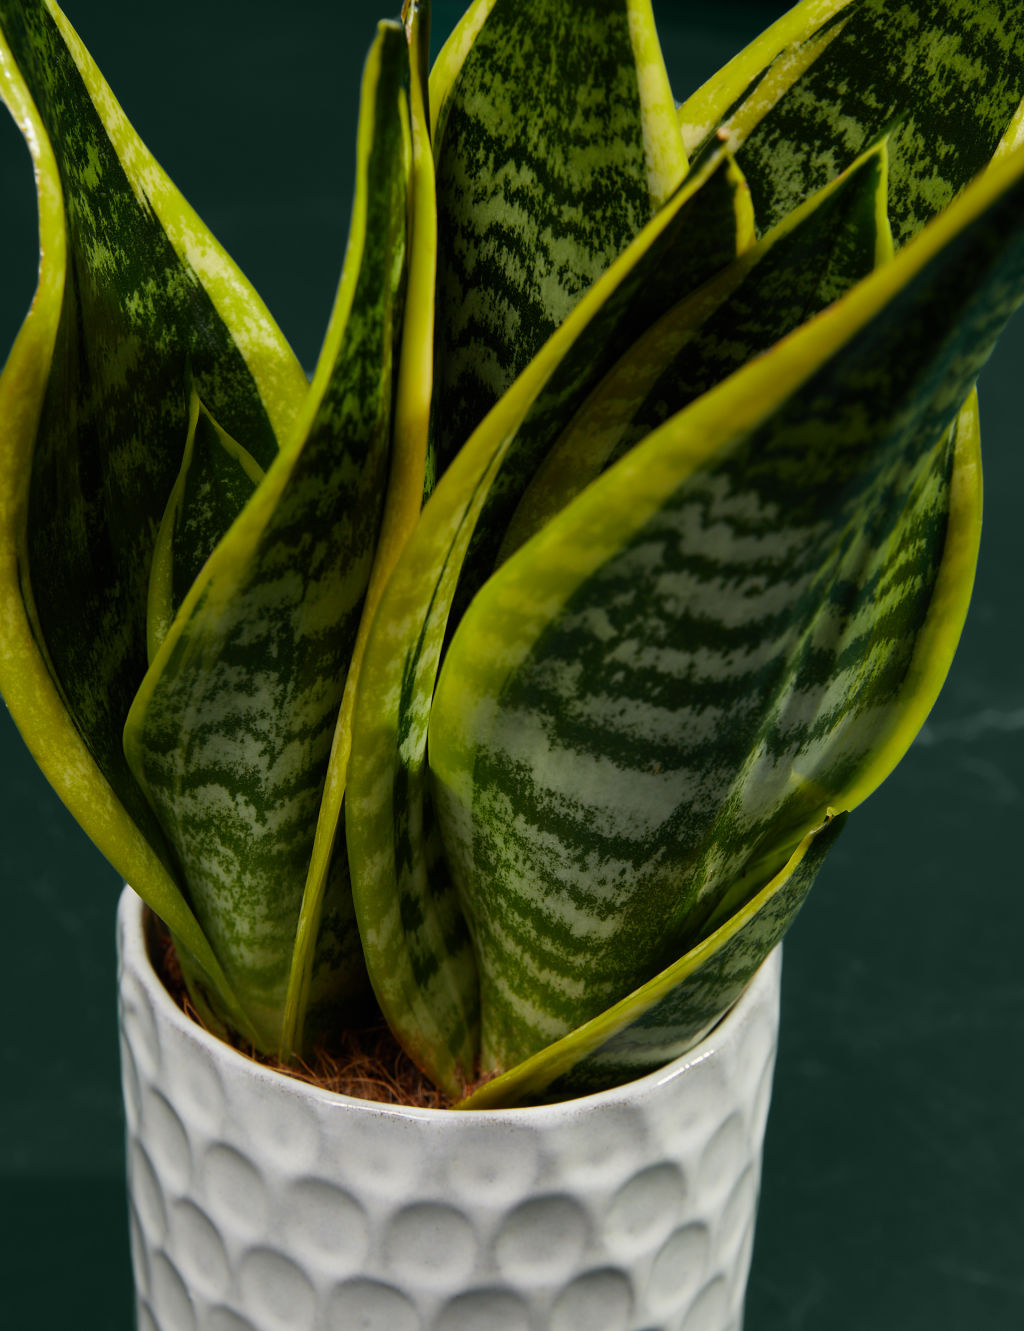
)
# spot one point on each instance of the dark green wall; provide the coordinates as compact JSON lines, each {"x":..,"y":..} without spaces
{"x":895,"y":1167}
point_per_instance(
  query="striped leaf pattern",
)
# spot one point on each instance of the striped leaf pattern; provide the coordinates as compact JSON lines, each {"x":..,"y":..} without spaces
{"x":942,"y":80}
{"x":405,"y":485}
{"x":695,"y":237}
{"x":217,"y":477}
{"x":648,"y":705}
{"x":231,"y":731}
{"x":108,"y":463}
{"x":552,"y":764}
{"x":668,"y":1015}
{"x":415,"y":942}
{"x":134,"y":299}
{"x":819,"y":252}
{"x":555,"y":141}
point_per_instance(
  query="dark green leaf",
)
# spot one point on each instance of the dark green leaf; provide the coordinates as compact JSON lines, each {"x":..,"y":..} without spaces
{"x":217,"y":478}
{"x":415,"y":940}
{"x":134,"y":294}
{"x":943,"y":80}
{"x":699,"y":233}
{"x":672,"y":1012}
{"x":231,"y":732}
{"x":554,"y":146}
{"x":815,"y":256}
{"x":739,"y":625}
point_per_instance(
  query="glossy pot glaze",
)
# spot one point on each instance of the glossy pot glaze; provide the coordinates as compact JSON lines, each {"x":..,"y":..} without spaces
{"x":259,"y":1203}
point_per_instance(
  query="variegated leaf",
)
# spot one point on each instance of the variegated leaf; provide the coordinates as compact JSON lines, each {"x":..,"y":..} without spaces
{"x":555,"y":140}
{"x":708,"y":224}
{"x":134,"y":294}
{"x":768,"y":66}
{"x":217,"y":477}
{"x":414,"y":381}
{"x":739,"y":625}
{"x":417,"y":950}
{"x":671,"y":1013}
{"x":943,"y":80}
{"x":231,"y":731}
{"x":812,"y":258}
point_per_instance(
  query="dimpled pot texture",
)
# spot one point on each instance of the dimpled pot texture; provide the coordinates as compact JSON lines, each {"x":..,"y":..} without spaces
{"x":259,"y":1203}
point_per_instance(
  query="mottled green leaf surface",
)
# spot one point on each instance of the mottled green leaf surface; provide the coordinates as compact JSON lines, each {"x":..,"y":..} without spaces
{"x":550,"y":155}
{"x":134,"y":294}
{"x":699,"y":233}
{"x":115,"y":414}
{"x":943,"y":79}
{"x":415,"y":941}
{"x":698,"y":546}
{"x":231,"y":731}
{"x":217,"y":477}
{"x":671,"y":1013}
{"x":811,"y":259}
{"x":402,"y":503}
{"x":651,"y":702}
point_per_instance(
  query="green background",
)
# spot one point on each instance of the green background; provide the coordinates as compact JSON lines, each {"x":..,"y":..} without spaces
{"x":893,"y":1197}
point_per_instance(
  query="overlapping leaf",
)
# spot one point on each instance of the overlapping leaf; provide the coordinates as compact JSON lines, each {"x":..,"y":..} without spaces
{"x":738,"y":626}
{"x":216,"y":480}
{"x":812,"y":258}
{"x":943,"y":80}
{"x":555,"y":140}
{"x":767,"y":67}
{"x":700,"y":233}
{"x":671,"y":1013}
{"x":417,"y":950}
{"x":413,"y":388}
{"x":718,"y":612}
{"x":134,"y":294}
{"x":231,"y":731}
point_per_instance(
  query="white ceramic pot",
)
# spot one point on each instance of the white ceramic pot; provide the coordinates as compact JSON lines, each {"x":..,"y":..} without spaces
{"x":259,"y":1203}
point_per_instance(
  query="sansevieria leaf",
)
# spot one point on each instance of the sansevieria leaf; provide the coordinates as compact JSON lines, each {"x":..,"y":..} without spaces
{"x":609,"y":746}
{"x":671,"y":1013}
{"x":555,"y":140}
{"x":417,"y":949}
{"x":809,"y":260}
{"x":134,"y":298}
{"x":696,"y":236}
{"x":231,"y":731}
{"x":402,"y":503}
{"x":757,"y":76}
{"x":518,"y":673}
{"x":216,"y":480}
{"x":943,"y":80}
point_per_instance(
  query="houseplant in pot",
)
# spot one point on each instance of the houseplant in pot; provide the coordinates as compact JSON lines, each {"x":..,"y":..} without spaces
{"x":696,"y":553}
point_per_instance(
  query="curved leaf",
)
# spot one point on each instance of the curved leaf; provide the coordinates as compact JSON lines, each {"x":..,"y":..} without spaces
{"x":756,"y":77}
{"x":555,"y":141}
{"x":669,"y":1014}
{"x":132,"y":292}
{"x":216,"y":480}
{"x":414,"y":939}
{"x":231,"y":731}
{"x":812,"y":258}
{"x":698,"y":235}
{"x":739,"y":625}
{"x":401,"y":509}
{"x":944,"y":80}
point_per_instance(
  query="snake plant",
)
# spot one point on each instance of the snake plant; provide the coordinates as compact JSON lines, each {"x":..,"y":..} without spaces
{"x":521,"y":668}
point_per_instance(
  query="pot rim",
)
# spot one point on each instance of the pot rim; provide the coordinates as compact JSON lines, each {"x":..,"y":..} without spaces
{"x":133,"y":953}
